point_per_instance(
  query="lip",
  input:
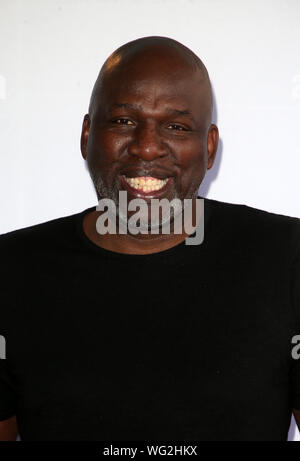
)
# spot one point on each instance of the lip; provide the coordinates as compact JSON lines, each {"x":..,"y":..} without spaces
{"x":154,"y":173}
{"x":139,"y":193}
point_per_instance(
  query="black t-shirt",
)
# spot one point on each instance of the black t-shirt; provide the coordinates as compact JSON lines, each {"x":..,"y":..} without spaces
{"x":191,"y":343}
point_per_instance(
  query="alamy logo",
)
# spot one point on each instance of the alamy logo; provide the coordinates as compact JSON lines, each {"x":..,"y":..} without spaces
{"x":2,"y":347}
{"x":296,"y":349}
{"x":152,"y":217}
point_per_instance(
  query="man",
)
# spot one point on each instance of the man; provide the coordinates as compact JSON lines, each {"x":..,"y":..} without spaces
{"x":123,"y":336}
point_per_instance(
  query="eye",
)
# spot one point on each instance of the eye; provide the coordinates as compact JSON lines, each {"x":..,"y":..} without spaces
{"x":122,"y":121}
{"x":177,"y":127}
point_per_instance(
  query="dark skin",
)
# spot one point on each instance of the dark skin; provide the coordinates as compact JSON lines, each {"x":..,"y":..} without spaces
{"x":8,"y":430}
{"x":150,"y":136}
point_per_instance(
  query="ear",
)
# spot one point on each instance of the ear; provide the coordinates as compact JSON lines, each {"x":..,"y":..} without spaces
{"x":212,"y":145}
{"x":84,"y":135}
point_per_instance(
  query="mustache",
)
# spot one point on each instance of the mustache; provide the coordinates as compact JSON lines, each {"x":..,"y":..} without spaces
{"x":158,"y":172}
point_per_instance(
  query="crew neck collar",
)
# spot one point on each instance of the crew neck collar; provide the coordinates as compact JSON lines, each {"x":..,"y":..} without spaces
{"x":169,"y":252}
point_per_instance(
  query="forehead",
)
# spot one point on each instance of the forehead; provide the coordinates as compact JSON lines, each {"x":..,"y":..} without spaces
{"x":155,"y":89}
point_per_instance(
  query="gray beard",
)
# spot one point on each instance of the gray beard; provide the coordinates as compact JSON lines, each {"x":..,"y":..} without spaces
{"x":104,"y":191}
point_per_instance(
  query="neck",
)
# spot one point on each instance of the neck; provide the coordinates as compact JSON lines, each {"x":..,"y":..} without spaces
{"x":134,"y":244}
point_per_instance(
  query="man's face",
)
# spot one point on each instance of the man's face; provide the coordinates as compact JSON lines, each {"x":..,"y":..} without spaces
{"x":150,"y":121}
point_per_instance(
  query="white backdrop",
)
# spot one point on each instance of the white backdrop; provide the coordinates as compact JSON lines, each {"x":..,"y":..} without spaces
{"x":52,"y":50}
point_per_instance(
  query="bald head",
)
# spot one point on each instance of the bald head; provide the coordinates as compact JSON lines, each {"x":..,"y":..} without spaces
{"x":167,"y":55}
{"x":150,"y":115}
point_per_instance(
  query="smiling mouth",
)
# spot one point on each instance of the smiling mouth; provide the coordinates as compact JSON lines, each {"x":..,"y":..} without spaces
{"x":146,"y":184}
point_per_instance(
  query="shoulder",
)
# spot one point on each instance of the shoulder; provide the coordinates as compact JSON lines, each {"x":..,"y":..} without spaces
{"x":38,"y":236}
{"x":243,"y":211}
{"x":244,"y":214}
{"x":254,"y":223}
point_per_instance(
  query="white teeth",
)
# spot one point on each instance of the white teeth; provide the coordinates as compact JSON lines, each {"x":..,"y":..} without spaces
{"x":146,"y":184}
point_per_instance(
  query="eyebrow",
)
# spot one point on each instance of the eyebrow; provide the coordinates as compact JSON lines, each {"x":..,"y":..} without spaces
{"x":178,"y":112}
{"x":170,"y":110}
{"x":125,"y":105}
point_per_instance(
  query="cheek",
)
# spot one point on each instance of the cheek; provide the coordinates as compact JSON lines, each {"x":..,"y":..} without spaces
{"x":104,"y":147}
{"x":192,"y":163}
{"x":192,"y":158}
{"x":113,"y":145}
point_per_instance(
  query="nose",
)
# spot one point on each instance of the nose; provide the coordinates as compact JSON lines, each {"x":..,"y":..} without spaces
{"x":147,"y":143}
